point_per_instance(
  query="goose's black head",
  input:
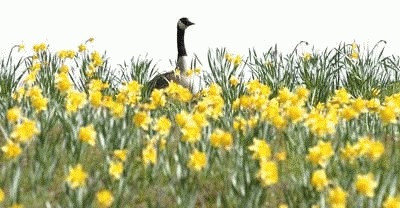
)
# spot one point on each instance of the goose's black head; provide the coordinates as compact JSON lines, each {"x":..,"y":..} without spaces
{"x":184,"y":23}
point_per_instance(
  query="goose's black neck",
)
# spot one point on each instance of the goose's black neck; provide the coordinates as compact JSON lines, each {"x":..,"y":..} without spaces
{"x":181,"y":42}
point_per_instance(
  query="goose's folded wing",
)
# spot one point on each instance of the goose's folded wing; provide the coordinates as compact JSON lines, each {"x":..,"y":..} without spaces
{"x":162,"y":80}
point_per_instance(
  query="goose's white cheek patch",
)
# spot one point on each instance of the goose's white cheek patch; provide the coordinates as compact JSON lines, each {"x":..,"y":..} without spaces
{"x":181,"y":25}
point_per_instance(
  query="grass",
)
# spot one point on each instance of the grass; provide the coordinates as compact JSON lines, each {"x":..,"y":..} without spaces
{"x":334,"y":110}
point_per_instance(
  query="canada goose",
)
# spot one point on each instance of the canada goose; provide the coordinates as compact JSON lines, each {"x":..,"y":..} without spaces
{"x":182,"y":63}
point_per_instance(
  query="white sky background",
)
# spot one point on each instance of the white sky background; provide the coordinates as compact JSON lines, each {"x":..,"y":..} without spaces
{"x":131,"y":28}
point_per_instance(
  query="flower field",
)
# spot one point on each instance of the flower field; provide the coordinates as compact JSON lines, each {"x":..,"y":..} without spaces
{"x":304,"y":129}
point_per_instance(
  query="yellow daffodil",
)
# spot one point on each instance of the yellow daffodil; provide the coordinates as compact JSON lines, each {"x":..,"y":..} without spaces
{"x":90,"y":40}
{"x":178,"y":92}
{"x":296,"y":113}
{"x":359,"y":105}
{"x":96,"y":58}
{"x":21,"y":47}
{"x":11,"y":150}
{"x":337,"y":197}
{"x":341,"y":96}
{"x":116,"y":169}
{"x":130,"y":93}
{"x":354,"y":51}
{"x":388,"y":115}
{"x":366,"y":184}
{"x":82,"y":48}
{"x":220,"y":138}
{"x":77,"y":177}
{"x":261,"y":150}
{"x":13,"y":114}
{"x":104,"y":198}
{"x":75,"y":100}
{"x":39,"y":47}
{"x":88,"y":134}
{"x":64,"y":54}
{"x":149,"y":154}
{"x":63,"y":82}
{"x":319,"y":180}
{"x":348,"y":113}
{"x":181,"y":118}
{"x":233,"y":81}
{"x":97,"y":85}
{"x":197,"y":160}
{"x":95,"y":98}
{"x":157,"y":98}
{"x":307,"y":56}
{"x":25,"y":131}
{"x":302,"y":92}
{"x":236,"y":61}
{"x":117,"y":109}
{"x":64,"y":68}
{"x":392,"y":202}
{"x":2,"y":195}
{"x":16,"y":205}
{"x":163,"y":125}
{"x":281,"y":156}
{"x":142,"y":120}
{"x":321,"y":153}
{"x":268,"y":173}
{"x":121,"y":154}
{"x":349,"y":152}
{"x":191,"y":132}
{"x":284,"y":95}
{"x":39,"y":103}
